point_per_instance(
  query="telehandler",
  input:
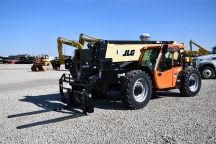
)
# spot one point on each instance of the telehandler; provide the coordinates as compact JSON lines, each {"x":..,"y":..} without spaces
{"x":134,"y":68}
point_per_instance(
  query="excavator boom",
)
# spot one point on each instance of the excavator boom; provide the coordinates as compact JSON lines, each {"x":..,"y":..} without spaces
{"x":77,"y":44}
{"x":61,"y":41}
{"x":83,"y":39}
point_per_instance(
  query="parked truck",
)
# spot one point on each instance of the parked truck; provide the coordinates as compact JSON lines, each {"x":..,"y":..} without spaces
{"x":206,"y":64}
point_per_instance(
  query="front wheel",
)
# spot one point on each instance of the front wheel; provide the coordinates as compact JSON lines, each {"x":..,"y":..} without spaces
{"x":207,"y":73}
{"x":191,"y":82}
{"x":136,"y":89}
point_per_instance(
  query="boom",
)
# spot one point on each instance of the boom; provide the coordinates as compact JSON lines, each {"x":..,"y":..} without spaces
{"x":76,"y":44}
{"x":61,"y":41}
{"x":201,"y":50}
{"x":83,"y":39}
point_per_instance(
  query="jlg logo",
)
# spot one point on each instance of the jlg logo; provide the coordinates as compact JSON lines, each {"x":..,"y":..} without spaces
{"x":129,"y":53}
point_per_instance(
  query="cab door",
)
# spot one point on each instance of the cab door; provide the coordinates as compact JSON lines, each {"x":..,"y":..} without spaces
{"x":163,"y":72}
{"x":177,"y":64}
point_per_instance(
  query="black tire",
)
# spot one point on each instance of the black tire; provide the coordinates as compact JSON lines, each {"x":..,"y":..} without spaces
{"x":207,"y":73}
{"x":136,"y":82}
{"x":191,"y":82}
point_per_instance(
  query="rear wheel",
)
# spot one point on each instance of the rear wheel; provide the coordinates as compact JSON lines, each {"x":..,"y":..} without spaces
{"x":136,"y":89}
{"x":191,"y":82}
{"x":207,"y":73}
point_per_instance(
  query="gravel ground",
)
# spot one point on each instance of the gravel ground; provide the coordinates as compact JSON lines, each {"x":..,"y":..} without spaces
{"x":168,"y":118}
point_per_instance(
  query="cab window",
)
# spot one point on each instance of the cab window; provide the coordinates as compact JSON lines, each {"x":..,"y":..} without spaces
{"x":150,"y":57}
{"x":165,"y":62}
{"x":177,"y":57}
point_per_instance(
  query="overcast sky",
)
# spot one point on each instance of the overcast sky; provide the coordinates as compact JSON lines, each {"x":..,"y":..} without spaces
{"x":32,"y":26}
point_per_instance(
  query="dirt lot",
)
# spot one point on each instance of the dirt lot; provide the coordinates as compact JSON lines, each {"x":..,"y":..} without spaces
{"x":168,"y":118}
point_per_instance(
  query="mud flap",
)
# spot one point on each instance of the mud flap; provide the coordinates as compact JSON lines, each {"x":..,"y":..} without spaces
{"x":56,"y":65}
{"x":37,"y":67}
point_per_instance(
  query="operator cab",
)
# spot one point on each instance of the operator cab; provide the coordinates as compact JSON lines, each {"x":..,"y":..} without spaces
{"x":165,"y":63}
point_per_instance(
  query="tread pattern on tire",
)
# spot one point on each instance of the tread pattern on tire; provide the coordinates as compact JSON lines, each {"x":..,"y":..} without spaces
{"x":184,"y":90}
{"x":124,"y":87}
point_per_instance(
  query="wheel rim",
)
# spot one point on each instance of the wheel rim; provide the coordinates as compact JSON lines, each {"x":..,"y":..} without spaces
{"x":207,"y":73}
{"x":140,"y":90}
{"x":193,"y":82}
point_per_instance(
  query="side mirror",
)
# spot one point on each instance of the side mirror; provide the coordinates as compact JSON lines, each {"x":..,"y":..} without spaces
{"x":165,"y":47}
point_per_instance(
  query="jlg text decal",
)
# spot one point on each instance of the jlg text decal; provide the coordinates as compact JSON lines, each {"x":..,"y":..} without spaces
{"x":129,"y":53}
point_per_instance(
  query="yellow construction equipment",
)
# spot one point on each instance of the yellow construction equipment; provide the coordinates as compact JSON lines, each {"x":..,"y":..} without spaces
{"x":37,"y":67}
{"x":41,"y":61}
{"x":44,"y":60}
{"x":190,"y":54}
{"x":77,"y":44}
{"x":201,"y":51}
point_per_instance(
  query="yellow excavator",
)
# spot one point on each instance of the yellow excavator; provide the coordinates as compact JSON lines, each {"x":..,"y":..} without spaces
{"x":77,"y":44}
